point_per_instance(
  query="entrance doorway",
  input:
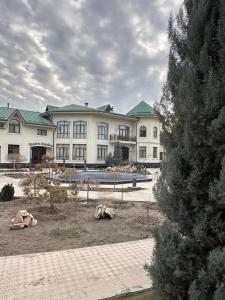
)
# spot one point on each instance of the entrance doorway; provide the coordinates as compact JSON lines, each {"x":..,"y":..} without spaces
{"x":36,"y":154}
{"x":125,"y":151}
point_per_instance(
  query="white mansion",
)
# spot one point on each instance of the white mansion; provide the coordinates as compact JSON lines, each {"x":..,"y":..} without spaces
{"x":74,"y":134}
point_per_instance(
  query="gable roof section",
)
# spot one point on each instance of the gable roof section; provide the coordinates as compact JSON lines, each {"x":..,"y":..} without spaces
{"x":142,"y":109}
{"x":29,"y":117}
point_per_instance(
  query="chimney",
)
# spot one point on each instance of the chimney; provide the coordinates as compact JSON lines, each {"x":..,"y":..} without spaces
{"x":86,"y":104}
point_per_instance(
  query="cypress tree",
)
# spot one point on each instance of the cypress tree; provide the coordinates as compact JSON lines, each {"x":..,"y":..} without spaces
{"x":189,"y":256}
{"x":118,"y":154}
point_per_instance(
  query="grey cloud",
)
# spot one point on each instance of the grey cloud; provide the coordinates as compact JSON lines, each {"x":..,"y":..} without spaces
{"x":61,"y":52}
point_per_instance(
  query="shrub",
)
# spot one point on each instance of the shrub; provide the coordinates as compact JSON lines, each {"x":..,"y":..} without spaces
{"x":55,"y":194}
{"x":33,"y":184}
{"x":7,"y":193}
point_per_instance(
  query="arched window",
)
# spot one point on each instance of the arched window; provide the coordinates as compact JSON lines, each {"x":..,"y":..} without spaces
{"x":102,"y":131}
{"x":143,"y":131}
{"x":155,"y":132}
{"x":14,"y":126}
{"x":80,"y":130}
{"x":63,"y":129}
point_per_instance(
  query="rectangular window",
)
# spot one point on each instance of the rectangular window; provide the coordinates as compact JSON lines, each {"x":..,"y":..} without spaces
{"x":42,"y":132}
{"x":63,"y":129}
{"x":14,"y":126}
{"x":102,"y":152}
{"x":142,"y":152}
{"x":62,"y":151}
{"x":79,"y":151}
{"x":155,"y":152}
{"x":102,"y":131}
{"x":13,"y":149}
{"x":161,"y":155}
{"x":124,"y":131}
{"x":80,"y":130}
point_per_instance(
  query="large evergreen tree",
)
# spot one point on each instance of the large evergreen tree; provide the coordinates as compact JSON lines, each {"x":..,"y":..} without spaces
{"x":189,"y":257}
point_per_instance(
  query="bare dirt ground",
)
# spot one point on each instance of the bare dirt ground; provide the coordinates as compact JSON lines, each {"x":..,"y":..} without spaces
{"x":73,"y":226}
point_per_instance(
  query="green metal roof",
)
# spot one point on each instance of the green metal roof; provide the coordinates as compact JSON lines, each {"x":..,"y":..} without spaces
{"x":142,"y":109}
{"x":5,"y":113}
{"x":70,"y":108}
{"x":105,"y":108}
{"x":29,"y":117}
{"x":51,"y":107}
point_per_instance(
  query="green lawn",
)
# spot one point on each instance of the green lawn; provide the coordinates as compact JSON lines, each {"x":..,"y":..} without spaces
{"x":148,"y":295}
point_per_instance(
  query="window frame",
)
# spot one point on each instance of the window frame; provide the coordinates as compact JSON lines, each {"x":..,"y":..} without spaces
{"x":141,"y":130}
{"x":13,"y":124}
{"x":63,"y":129}
{"x":155,"y":132}
{"x":103,"y":131}
{"x":155,"y":152}
{"x":15,"y":146}
{"x":141,"y":151}
{"x":64,"y":155}
{"x":41,"y":132}
{"x":123,"y":131}
{"x":82,"y":152}
{"x":82,"y":132}
{"x":102,"y":152}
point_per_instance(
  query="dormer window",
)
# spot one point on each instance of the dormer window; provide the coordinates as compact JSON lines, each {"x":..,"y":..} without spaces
{"x":14,"y":126}
{"x":143,"y":131}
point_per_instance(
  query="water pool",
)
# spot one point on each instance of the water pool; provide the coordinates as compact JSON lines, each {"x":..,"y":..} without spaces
{"x":107,"y":177}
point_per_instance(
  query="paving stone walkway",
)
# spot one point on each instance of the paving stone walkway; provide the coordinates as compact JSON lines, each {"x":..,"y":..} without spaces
{"x":78,"y":274}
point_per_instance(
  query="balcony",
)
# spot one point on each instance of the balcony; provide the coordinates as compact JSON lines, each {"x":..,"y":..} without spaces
{"x":126,"y":139}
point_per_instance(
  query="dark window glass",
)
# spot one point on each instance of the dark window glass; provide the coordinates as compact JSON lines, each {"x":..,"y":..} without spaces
{"x":79,"y":152}
{"x":14,"y":126}
{"x":155,"y":132}
{"x":155,"y":152}
{"x":41,"y":132}
{"x":13,"y":149}
{"x":80,"y":130}
{"x":102,"y":131}
{"x":143,"y":131}
{"x":124,"y":131}
{"x":102,"y":152}
{"x":63,"y":129}
{"x":62,"y":151}
{"x":142,"y":152}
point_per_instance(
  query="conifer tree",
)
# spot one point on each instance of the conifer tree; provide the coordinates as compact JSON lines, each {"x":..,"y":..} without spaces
{"x":189,"y":257}
{"x":118,"y":154}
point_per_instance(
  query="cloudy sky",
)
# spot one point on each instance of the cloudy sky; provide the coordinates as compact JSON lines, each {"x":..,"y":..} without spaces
{"x":74,"y":51}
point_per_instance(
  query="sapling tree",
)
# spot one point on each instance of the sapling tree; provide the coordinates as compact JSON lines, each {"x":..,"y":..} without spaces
{"x":33,"y":184}
{"x":89,"y":183}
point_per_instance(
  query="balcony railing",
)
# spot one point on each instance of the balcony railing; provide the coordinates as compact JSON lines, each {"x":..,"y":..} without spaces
{"x":63,"y":135}
{"x":126,"y":138}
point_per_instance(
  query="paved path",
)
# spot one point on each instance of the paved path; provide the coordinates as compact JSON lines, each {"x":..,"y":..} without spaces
{"x":79,"y":274}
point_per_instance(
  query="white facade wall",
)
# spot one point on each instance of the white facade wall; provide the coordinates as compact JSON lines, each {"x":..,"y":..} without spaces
{"x":92,"y":134}
{"x":28,"y":135}
{"x":27,"y":138}
{"x":149,"y":141}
